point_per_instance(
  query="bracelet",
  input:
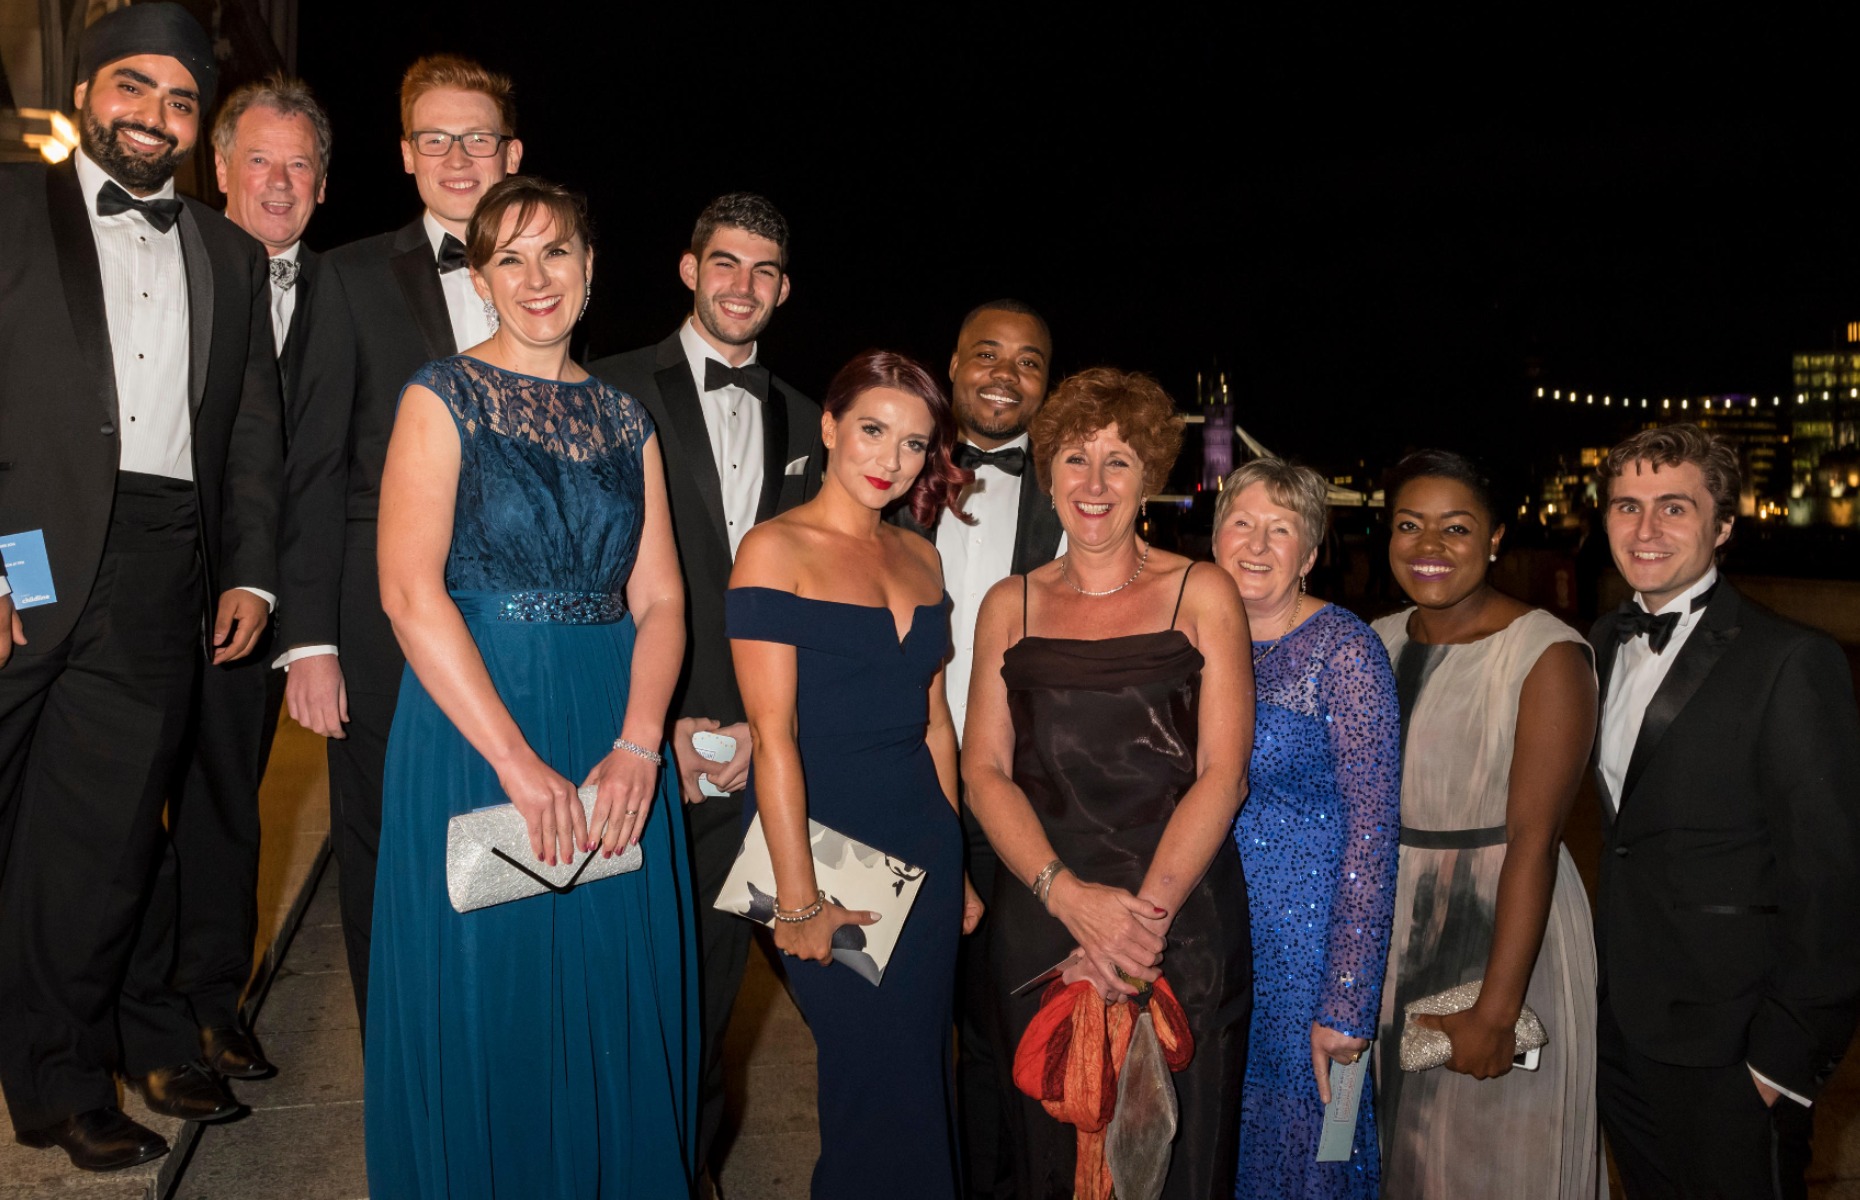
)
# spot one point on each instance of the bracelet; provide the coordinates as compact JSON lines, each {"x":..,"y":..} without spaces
{"x":794,"y":916}
{"x":651,"y":756}
{"x":1043,"y":882}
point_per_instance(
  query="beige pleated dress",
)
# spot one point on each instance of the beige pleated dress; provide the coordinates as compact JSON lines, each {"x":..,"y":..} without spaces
{"x":1526,"y":1134}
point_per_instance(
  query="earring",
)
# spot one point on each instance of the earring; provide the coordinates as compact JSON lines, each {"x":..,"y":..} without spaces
{"x":1491,"y":558}
{"x":1143,"y":508}
{"x":490,"y":315}
{"x":586,"y":296}
{"x":1301,"y":585}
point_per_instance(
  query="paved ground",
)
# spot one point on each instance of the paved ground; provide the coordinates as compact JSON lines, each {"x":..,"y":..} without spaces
{"x":303,"y":1138}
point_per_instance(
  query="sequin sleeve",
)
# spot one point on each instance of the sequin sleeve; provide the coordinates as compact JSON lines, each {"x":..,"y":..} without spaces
{"x":1362,"y":719}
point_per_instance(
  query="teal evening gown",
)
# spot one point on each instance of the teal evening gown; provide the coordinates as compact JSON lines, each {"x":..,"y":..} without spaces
{"x":546,"y":1047}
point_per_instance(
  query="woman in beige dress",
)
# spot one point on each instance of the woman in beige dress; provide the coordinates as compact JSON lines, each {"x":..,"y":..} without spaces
{"x":1498,"y":712}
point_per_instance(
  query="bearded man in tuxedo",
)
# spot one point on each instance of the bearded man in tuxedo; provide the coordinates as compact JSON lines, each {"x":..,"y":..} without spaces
{"x":140,"y":424}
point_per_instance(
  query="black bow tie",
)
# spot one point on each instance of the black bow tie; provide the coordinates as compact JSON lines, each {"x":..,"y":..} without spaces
{"x":1012,"y":460}
{"x":752,"y":378}
{"x":160,"y":214}
{"x":1635,"y":621}
{"x":451,"y":254}
{"x":283,"y":274}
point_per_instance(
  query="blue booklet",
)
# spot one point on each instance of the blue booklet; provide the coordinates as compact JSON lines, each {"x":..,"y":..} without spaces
{"x":28,"y":571}
{"x":1346,"y":1094}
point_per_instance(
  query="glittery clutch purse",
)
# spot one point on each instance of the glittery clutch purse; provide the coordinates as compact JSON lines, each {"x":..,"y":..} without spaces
{"x":1425,"y":1049}
{"x":489,"y":860}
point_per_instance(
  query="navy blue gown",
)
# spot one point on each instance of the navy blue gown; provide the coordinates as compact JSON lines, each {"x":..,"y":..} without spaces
{"x":1318,"y":835}
{"x":547,"y":1047}
{"x":862,"y":703}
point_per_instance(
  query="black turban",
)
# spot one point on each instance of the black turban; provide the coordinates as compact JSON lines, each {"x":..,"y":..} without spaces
{"x":151,"y":29}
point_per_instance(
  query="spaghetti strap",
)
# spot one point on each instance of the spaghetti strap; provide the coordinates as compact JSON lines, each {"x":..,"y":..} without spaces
{"x":1023,"y":606}
{"x":1180,"y":594}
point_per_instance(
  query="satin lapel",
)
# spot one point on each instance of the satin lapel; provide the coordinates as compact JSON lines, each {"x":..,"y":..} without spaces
{"x":1716,"y":631}
{"x":774,"y":452}
{"x":686,"y":416}
{"x":199,"y":308}
{"x":1605,"y":646}
{"x":418,"y":277}
{"x":83,"y":285}
{"x":1036,"y":534}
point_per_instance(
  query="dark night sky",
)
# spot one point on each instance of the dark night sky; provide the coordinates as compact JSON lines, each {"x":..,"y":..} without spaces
{"x":1373,"y":229}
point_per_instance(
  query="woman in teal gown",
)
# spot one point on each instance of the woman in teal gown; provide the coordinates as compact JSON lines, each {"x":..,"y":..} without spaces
{"x":545,"y":1047}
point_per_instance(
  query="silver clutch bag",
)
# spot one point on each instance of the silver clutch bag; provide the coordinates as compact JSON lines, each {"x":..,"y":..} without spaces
{"x":1425,"y":1049}
{"x":489,"y":861}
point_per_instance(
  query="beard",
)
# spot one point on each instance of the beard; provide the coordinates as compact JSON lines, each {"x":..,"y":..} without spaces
{"x":137,"y":172}
{"x":709,"y":317}
{"x":977,"y":416}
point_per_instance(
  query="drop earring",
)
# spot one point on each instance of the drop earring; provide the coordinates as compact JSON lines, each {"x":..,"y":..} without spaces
{"x":1491,"y":558}
{"x":587,"y":295}
{"x":1301,"y":585}
{"x":490,"y":315}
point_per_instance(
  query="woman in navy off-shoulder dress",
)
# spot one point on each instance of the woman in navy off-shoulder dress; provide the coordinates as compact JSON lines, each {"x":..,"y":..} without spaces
{"x":545,"y":1047}
{"x":839,"y":628}
{"x":1318,"y":834}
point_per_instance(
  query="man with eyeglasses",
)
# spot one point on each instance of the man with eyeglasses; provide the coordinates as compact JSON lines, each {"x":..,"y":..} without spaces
{"x":383,"y":307}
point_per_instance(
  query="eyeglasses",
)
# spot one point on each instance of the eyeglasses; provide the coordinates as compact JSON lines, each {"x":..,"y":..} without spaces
{"x":436,"y":143}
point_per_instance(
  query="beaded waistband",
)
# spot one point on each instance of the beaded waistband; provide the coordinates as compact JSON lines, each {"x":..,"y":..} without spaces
{"x":556,"y":608}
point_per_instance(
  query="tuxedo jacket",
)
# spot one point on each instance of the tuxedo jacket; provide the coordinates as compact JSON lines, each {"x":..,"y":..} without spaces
{"x":1036,"y":527}
{"x":376,"y":314}
{"x":1728,"y":915}
{"x":659,"y":377}
{"x":296,"y":343}
{"x":59,"y":443}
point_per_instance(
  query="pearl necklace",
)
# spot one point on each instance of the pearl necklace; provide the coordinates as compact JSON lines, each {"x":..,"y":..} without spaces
{"x":1065,"y":572}
{"x":1260,"y":656}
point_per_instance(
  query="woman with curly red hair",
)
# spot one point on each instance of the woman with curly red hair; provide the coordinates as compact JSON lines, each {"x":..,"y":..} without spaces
{"x":1105,"y":752}
{"x":839,"y":627}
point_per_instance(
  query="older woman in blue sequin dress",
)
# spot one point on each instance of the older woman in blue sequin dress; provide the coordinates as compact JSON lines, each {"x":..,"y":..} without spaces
{"x":1317,"y":834}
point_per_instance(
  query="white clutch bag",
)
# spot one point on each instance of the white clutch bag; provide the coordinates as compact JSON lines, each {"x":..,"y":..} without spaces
{"x":852,"y":874}
{"x":489,"y":861}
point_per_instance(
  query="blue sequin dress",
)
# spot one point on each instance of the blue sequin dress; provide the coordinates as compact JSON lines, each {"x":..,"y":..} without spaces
{"x":1318,"y":835}
{"x":548,"y":1046}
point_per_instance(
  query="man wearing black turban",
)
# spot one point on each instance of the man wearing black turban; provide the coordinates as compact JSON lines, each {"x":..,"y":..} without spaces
{"x":139,"y":464}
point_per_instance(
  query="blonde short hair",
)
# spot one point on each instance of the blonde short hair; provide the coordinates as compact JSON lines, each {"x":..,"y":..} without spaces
{"x":1290,"y":486}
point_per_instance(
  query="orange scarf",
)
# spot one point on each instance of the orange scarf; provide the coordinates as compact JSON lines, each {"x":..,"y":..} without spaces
{"x":1070,"y":1057}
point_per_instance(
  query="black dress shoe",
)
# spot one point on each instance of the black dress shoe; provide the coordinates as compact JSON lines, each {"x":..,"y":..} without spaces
{"x":102,"y":1139}
{"x":188,"y":1092}
{"x":234,"y":1053}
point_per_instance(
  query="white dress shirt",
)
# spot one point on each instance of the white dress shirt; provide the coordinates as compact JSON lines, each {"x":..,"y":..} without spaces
{"x":283,"y":300}
{"x":975,"y":558}
{"x":733,"y":419}
{"x":145,"y":305}
{"x":1637,"y":675}
{"x":463,"y":304}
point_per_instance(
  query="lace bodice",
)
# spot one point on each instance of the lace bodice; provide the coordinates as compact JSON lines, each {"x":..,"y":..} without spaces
{"x":551,"y":490}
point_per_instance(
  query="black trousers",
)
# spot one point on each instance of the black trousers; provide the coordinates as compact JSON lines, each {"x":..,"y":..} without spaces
{"x":715,"y":829}
{"x":981,"y":1062}
{"x":89,"y":733}
{"x":202,"y":919}
{"x":371,"y":669}
{"x":1696,"y":1133}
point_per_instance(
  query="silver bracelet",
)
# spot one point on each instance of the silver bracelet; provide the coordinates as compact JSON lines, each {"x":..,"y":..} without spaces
{"x":1043,"y":882}
{"x":651,"y":756}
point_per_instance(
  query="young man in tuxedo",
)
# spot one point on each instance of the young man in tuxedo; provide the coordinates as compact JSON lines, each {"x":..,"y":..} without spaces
{"x":382,"y":308}
{"x":740,"y":446}
{"x":271,"y":146}
{"x":998,"y":375}
{"x":140,"y":435}
{"x":1730,"y":883}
